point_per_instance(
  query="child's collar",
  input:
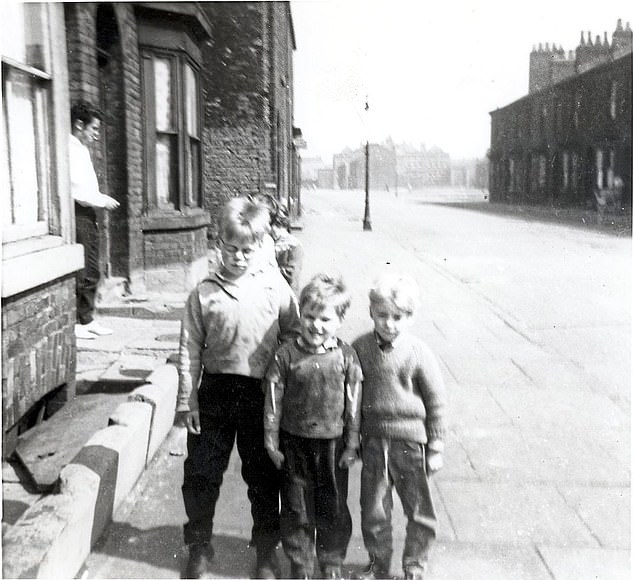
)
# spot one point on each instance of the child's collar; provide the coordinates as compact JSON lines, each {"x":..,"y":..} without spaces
{"x":330,"y":344}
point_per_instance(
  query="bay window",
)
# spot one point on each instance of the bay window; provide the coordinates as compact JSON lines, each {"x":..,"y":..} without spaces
{"x":26,"y":121}
{"x":172,"y":102}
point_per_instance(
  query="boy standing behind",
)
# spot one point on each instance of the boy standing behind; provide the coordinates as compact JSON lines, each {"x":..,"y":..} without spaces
{"x":231,"y":326}
{"x":402,"y":427}
{"x":311,"y":425}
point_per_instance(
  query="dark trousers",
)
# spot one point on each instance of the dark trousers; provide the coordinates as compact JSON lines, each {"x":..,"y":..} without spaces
{"x":231,"y":407}
{"x":315,"y":515}
{"x":87,"y":235}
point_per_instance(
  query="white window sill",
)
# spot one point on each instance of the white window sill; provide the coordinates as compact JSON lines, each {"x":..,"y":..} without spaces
{"x":39,"y":266}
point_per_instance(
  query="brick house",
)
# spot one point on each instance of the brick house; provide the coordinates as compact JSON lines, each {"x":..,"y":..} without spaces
{"x":198,"y":106}
{"x":572,"y":134}
{"x":39,"y":258}
{"x":248,"y":134}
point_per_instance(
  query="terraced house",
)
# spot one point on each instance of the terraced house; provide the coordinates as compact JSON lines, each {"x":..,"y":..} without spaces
{"x":570,"y":138}
{"x":198,"y":107}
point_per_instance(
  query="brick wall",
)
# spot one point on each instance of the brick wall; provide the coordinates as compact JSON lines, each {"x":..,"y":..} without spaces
{"x":174,"y":260}
{"x":236,"y":135}
{"x":38,"y":348}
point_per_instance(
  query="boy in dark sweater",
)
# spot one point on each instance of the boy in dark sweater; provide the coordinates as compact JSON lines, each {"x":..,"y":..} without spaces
{"x":402,"y":425}
{"x":311,"y":430}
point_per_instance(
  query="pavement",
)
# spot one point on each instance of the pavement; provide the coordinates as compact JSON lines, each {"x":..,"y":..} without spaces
{"x":506,"y":510}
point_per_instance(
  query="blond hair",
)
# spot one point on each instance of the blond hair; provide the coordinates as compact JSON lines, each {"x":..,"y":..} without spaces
{"x":326,"y":290}
{"x":244,"y":220}
{"x":399,"y":290}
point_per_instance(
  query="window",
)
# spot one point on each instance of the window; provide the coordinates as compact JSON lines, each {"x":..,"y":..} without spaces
{"x":173,"y":153}
{"x":577,"y":113}
{"x":613,"y":94}
{"x":26,"y":121}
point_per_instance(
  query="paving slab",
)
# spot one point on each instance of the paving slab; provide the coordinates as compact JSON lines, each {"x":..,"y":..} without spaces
{"x":464,"y":561}
{"x":566,"y":409}
{"x":605,"y":511}
{"x":513,"y":514}
{"x":587,"y":564}
{"x":525,"y":454}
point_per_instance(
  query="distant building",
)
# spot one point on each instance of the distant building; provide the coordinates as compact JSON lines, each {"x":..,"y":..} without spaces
{"x":470,"y":173}
{"x":325,"y":178}
{"x":349,"y":167}
{"x":311,"y":166}
{"x":422,"y":167}
{"x":572,"y":134}
{"x":392,"y":166}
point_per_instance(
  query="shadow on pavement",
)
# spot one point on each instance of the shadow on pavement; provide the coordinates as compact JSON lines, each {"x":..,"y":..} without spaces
{"x":618,"y":225}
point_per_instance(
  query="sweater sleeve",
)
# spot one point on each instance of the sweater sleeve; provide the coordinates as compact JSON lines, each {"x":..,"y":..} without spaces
{"x":191,"y":344}
{"x":352,"y":410}
{"x":429,"y":381}
{"x":274,"y":384}
{"x":289,"y":312}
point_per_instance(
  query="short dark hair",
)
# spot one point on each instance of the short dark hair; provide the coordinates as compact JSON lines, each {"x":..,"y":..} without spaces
{"x":326,"y":290}
{"x":85,"y":112}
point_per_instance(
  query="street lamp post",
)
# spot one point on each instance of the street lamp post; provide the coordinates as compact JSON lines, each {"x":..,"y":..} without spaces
{"x":367,"y":223}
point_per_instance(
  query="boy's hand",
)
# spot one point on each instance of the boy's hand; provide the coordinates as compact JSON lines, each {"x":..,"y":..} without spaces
{"x":348,"y":457}
{"x":434,"y":461}
{"x":272,"y":446}
{"x":190,"y":420}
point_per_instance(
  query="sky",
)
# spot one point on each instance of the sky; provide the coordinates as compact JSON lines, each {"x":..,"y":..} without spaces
{"x":431,"y":71}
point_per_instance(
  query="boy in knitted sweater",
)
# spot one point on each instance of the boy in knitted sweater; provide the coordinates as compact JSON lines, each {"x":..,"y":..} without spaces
{"x":311,"y":430}
{"x":402,"y":424}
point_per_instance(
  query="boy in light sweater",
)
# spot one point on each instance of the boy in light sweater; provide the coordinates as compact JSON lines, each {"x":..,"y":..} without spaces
{"x":402,"y":425}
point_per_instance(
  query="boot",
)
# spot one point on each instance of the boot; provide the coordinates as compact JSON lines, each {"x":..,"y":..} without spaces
{"x":200,"y":556}
{"x":267,"y":564}
{"x":414,"y":572}
{"x":378,"y":569}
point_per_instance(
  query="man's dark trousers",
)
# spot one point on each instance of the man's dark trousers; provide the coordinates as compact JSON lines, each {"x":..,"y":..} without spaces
{"x":87,"y":234}
{"x":231,"y":407}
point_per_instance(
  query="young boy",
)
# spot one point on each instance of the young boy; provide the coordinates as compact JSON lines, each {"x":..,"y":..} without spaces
{"x":402,"y":425}
{"x":230,"y":330}
{"x":311,"y":430}
{"x":289,"y":252}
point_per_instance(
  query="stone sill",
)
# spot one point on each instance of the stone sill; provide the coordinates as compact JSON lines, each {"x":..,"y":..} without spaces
{"x":27,"y":271}
{"x":175,"y":221}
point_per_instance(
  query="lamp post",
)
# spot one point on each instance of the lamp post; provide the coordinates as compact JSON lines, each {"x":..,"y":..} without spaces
{"x":367,"y":223}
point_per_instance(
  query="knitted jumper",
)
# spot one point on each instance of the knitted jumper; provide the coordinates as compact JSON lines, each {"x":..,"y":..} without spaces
{"x":403,"y":390}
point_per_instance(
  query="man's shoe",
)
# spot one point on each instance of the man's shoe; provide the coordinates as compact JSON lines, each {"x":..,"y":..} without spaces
{"x":83,"y":333}
{"x":414,"y":572}
{"x":268,"y":565}
{"x":200,"y":556}
{"x":377,"y":570}
{"x":97,"y":329}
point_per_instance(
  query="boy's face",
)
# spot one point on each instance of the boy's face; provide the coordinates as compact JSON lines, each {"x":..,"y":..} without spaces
{"x":237,"y":256}
{"x":318,"y":324}
{"x":389,"y":321}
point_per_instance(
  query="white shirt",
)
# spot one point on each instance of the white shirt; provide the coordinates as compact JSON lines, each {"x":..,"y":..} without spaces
{"x":84,"y":186}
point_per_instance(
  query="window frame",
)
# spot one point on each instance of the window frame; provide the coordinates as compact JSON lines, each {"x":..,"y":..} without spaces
{"x":180,"y":201}
{"x":40,"y":86}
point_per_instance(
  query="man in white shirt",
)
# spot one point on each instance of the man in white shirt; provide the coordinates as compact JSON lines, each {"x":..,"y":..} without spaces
{"x":85,"y":126}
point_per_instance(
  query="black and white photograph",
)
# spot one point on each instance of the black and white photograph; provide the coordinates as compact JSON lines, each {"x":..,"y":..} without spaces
{"x":316,"y":289}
